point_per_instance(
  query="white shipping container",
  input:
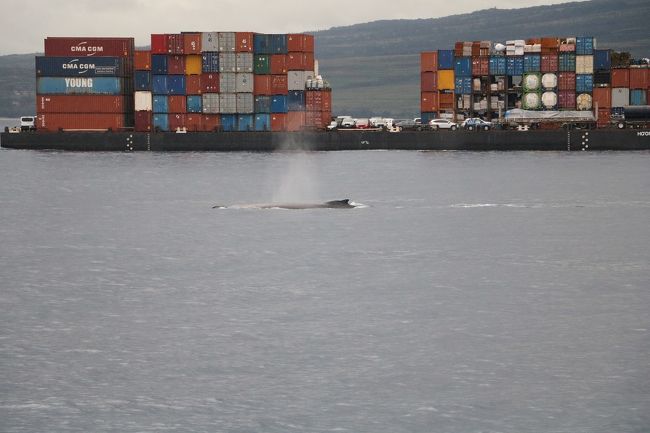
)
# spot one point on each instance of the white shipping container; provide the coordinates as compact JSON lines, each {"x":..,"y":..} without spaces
{"x":227,"y":42}
{"x":297,"y":80}
{"x":620,"y":97}
{"x":227,"y":62}
{"x":209,"y":41}
{"x":244,"y":84}
{"x":244,"y":62}
{"x":228,"y":82}
{"x":245,"y":103}
{"x":210,"y":103}
{"x":143,"y":101}
{"x":584,"y":64}
{"x":227,"y":103}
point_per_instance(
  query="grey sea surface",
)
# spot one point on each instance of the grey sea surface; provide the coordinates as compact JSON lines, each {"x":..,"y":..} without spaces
{"x":473,"y":292}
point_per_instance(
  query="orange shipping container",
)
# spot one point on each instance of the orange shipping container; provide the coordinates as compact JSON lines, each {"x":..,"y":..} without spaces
{"x":602,"y":97}
{"x":429,"y":61}
{"x":620,"y":77}
{"x":603,"y":116}
{"x":446,"y":101}
{"x":192,"y":43}
{"x":262,"y":85}
{"x":295,"y":120}
{"x":177,"y":103}
{"x":210,"y":122}
{"x":193,"y":85}
{"x":429,"y":81}
{"x":279,"y":84}
{"x":81,"y":104}
{"x":429,"y":101}
{"x":193,"y":65}
{"x":296,"y":61}
{"x":244,"y":42}
{"x":300,"y":43}
{"x":327,"y":101}
{"x":278,"y":122}
{"x":310,"y":61}
{"x":79,"y":121}
{"x":278,"y":64}
{"x":142,"y":60}
{"x":210,"y":82}
{"x":639,"y":78}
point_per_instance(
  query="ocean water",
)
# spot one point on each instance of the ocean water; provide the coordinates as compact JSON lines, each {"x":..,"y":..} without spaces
{"x":473,"y":292}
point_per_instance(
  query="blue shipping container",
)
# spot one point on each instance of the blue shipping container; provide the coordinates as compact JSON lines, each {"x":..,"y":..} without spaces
{"x":262,"y":122}
{"x":584,"y":45}
{"x":584,"y":83}
{"x":80,"y":86}
{"x":81,"y":66}
{"x":497,"y":65}
{"x":229,"y":122}
{"x":176,"y":84}
{"x":638,"y":97}
{"x":445,"y":59}
{"x":158,"y":64}
{"x":161,"y":122}
{"x":463,"y":67}
{"x":195,"y":104}
{"x":279,"y":44}
{"x":426,"y":117}
{"x":567,"y":62}
{"x":262,"y":104}
{"x":160,"y":104}
{"x":245,"y":122}
{"x":296,"y":100}
{"x":514,"y":65}
{"x":463,"y":86}
{"x":279,"y":104}
{"x":159,"y":84}
{"x":142,"y":80}
{"x":210,"y":62}
{"x":602,"y":60}
{"x":532,"y":63}
{"x":262,"y":44}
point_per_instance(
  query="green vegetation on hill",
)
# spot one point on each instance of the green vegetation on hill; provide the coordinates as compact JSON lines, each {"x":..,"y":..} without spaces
{"x":374,"y":67}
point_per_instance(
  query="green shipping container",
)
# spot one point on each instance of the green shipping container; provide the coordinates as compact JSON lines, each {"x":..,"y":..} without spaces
{"x":262,"y":64}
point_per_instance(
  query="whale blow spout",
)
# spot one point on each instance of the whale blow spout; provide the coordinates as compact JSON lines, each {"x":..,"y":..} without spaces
{"x":334,"y":204}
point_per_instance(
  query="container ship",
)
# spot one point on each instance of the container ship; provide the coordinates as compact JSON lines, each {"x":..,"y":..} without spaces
{"x":245,"y":91}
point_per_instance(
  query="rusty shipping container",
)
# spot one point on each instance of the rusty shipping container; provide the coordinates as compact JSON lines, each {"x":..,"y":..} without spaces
{"x":143,"y":121}
{"x":80,"y":121}
{"x":82,"y":104}
{"x":620,"y":77}
{"x":300,"y":43}
{"x":142,"y":60}
{"x":639,"y":78}
{"x":79,"y":46}
{"x":602,"y":97}
{"x":244,"y":42}
{"x":192,"y":43}
{"x":159,"y":44}
{"x":429,"y":81}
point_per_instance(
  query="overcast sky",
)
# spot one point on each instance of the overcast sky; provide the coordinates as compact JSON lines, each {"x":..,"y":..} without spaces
{"x":25,"y":23}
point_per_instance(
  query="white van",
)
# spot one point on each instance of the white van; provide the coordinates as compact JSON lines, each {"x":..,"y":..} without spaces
{"x":27,"y":123}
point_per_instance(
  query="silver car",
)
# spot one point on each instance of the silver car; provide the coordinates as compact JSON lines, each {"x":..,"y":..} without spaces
{"x":436,"y":124}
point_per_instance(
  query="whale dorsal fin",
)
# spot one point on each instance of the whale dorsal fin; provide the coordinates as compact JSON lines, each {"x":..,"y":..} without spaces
{"x":344,"y":202}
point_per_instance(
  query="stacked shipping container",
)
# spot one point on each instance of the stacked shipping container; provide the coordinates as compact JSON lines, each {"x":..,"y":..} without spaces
{"x":85,"y":83}
{"x":534,"y":74}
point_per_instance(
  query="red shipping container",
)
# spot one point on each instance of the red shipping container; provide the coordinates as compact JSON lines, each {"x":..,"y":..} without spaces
{"x":566,"y":81}
{"x":327,"y":117}
{"x":604,"y":115}
{"x":295,"y":120}
{"x":313,"y":119}
{"x":262,"y":85}
{"x":81,"y":104}
{"x":278,"y":122}
{"x":278,"y":64}
{"x":83,"y":47}
{"x":159,"y":44}
{"x":309,"y":59}
{"x":193,"y":85}
{"x":550,"y":62}
{"x":210,"y":82}
{"x":143,"y":121}
{"x":176,"y":65}
{"x":192,"y":43}
{"x":620,"y":77}
{"x":296,"y":61}
{"x":244,"y":42}
{"x":300,"y":42}
{"x":279,"y":84}
{"x":177,"y":103}
{"x":429,"y":101}
{"x":429,"y":61}
{"x":480,"y":65}
{"x":639,"y":78}
{"x":327,"y":100}
{"x":602,"y":96}
{"x":193,"y":122}
{"x":142,"y":60}
{"x":567,"y":99}
{"x":175,"y":44}
{"x":176,"y":121}
{"x":210,"y":122}
{"x":446,"y":100}
{"x":79,"y":121}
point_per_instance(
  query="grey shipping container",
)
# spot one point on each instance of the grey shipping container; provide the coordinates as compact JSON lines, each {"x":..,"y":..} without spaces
{"x":228,"y":82}
{"x":227,"y":62}
{"x":210,"y":103}
{"x":244,"y":83}
{"x":209,"y":41}
{"x":620,"y":97}
{"x":227,"y":103}
{"x":244,"y":103}
{"x":298,"y":79}
{"x":244,"y":62}
{"x":227,"y":42}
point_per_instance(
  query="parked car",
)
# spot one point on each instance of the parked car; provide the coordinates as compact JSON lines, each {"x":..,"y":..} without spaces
{"x":362,"y":123}
{"x":476,"y":123}
{"x":348,"y":122}
{"x":436,"y":124}
{"x":408,"y":125}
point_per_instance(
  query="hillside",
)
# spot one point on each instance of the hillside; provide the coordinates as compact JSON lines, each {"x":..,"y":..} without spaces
{"x":374,"y":67}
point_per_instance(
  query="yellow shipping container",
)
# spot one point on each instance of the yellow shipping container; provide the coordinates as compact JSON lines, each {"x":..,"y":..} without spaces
{"x":446,"y":80}
{"x":193,"y":65}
